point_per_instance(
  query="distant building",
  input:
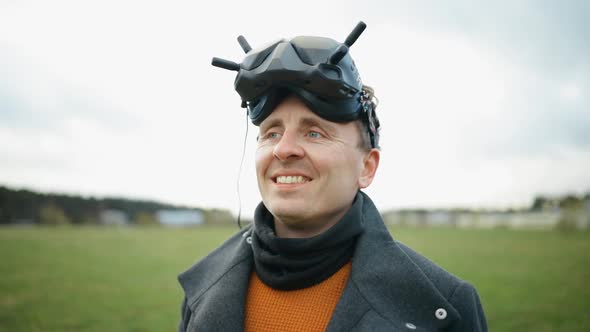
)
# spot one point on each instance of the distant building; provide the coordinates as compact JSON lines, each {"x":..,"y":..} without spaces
{"x":180,"y":218}
{"x":475,"y":219}
{"x":536,"y":220}
{"x":218,"y":217}
{"x":492,"y":219}
{"x":441,"y":218}
{"x":113,"y":217}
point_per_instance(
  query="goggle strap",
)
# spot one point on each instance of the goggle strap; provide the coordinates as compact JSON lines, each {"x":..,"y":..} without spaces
{"x":370,"y":118}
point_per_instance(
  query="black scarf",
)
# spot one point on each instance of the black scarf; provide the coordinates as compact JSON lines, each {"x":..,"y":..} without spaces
{"x":288,"y":264}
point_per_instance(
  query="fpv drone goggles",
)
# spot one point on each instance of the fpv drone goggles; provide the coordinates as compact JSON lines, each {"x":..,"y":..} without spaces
{"x":319,"y":70}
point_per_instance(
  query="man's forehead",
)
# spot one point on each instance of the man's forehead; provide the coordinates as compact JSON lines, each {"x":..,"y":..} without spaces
{"x":299,"y":120}
{"x":299,"y":117}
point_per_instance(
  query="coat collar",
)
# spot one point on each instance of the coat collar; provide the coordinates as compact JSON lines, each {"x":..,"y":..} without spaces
{"x":384,"y":280}
{"x":216,"y":287}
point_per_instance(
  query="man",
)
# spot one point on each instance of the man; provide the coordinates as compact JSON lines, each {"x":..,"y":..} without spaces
{"x":318,"y":256}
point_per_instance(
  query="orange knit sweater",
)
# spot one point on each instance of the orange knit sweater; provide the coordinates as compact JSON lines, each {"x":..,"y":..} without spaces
{"x":307,"y":309}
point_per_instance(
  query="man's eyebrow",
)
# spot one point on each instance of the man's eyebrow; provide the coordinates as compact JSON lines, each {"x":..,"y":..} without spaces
{"x":310,"y":122}
{"x":272,"y":123}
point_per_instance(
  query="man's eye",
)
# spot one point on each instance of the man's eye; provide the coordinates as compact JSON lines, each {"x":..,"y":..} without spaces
{"x":314,"y":134}
{"x":272,"y":135}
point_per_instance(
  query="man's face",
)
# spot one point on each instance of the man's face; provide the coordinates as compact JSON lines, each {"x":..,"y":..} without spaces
{"x":309,"y":169}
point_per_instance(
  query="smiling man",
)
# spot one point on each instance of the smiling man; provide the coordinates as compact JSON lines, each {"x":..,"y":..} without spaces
{"x":318,"y":256}
{"x":310,"y":169}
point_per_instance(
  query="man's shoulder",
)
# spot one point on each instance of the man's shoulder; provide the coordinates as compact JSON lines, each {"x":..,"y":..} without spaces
{"x":230,"y":245}
{"x":398,"y":265}
{"x":393,"y":261}
{"x":399,"y":283}
{"x":209,"y":269}
{"x":445,"y":281}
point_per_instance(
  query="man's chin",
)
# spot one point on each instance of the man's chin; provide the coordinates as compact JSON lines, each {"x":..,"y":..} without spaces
{"x":285,"y":210}
{"x":289,"y":212}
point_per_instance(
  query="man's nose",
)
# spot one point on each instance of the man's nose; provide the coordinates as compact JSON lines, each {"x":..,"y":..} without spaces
{"x":288,"y":147}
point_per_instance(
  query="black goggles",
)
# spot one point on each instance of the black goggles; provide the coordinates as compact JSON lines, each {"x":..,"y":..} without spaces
{"x":319,"y":70}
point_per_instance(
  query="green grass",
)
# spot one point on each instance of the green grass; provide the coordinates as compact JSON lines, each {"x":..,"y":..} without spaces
{"x":110,"y":279}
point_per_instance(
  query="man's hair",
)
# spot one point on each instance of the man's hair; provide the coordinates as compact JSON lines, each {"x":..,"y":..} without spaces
{"x":365,"y":139}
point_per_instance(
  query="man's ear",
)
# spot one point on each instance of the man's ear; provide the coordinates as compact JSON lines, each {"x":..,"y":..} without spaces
{"x":370,"y":165}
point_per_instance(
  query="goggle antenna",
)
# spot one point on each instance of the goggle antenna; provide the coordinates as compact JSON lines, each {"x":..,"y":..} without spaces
{"x":356,"y":32}
{"x":244,"y":44}
{"x":350,"y":40}
{"x":225,"y":64}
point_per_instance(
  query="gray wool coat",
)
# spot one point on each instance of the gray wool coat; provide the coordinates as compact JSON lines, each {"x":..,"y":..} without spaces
{"x":390,"y":288}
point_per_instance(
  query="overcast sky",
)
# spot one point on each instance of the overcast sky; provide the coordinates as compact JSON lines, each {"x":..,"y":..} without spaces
{"x":482,"y":104}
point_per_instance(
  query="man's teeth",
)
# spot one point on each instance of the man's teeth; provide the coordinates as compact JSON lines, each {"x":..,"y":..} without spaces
{"x":291,"y":179}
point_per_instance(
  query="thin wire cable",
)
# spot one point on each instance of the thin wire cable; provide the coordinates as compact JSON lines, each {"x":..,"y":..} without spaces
{"x":240,"y":173}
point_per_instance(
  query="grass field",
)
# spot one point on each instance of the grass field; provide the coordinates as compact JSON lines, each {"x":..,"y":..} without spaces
{"x":124,"y":279}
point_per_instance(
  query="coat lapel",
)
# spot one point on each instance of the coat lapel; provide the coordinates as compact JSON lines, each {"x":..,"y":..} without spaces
{"x":216,"y":287}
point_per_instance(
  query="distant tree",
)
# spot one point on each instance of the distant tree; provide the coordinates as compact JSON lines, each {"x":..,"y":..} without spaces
{"x":50,"y":214}
{"x":538,"y":203}
{"x":571,"y":213}
{"x":145,"y":219}
{"x":570,"y":202}
{"x":89,"y":220}
{"x":18,"y":205}
{"x":218,"y":216}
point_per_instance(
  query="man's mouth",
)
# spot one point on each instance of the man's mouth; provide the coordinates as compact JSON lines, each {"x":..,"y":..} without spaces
{"x":291,"y":179}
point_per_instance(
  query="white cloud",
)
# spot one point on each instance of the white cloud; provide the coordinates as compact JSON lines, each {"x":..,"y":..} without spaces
{"x":570,"y":92}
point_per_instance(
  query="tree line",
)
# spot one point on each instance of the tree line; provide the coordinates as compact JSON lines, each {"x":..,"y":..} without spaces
{"x":25,"y":206}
